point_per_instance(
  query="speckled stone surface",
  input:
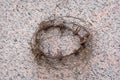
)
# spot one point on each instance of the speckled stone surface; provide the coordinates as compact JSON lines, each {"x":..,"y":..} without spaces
{"x":19,"y":20}
{"x":56,"y":43}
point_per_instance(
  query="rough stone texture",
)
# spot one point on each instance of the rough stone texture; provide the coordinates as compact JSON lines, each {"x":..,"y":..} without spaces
{"x":55,"y":43}
{"x":20,"y":18}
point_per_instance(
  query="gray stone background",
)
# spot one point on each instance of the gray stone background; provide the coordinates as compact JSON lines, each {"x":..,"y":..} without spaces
{"x":20,"y":18}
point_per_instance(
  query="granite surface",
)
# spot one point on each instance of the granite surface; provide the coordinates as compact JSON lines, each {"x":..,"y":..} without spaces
{"x":19,"y":20}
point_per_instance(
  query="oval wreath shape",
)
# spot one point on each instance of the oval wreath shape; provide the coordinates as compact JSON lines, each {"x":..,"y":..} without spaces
{"x":58,"y":39}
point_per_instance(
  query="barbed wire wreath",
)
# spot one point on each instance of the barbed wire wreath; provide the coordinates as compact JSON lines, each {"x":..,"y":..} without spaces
{"x":58,"y":39}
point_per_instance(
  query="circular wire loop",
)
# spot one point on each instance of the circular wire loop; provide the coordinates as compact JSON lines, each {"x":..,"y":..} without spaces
{"x":44,"y":25}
